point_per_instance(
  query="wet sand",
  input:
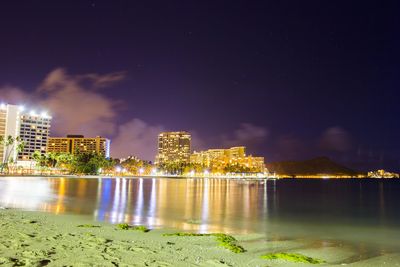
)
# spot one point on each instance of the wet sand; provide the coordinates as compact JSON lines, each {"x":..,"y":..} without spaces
{"x":44,"y":239}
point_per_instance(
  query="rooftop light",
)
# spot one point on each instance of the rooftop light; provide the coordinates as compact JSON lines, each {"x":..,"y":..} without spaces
{"x":44,"y":114}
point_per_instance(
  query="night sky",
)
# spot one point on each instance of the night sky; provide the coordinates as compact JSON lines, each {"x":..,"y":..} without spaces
{"x":289,"y":79}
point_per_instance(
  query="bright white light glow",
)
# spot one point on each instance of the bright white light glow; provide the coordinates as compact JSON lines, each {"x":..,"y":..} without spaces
{"x":32,"y":113}
{"x":3,"y":106}
{"x":118,"y":169}
{"x":21,"y":108}
{"x":141,"y":170}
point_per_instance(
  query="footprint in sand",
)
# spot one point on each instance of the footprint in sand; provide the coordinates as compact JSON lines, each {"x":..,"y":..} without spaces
{"x":215,"y":263}
{"x":141,"y":249}
{"x":28,"y":262}
{"x":157,"y":263}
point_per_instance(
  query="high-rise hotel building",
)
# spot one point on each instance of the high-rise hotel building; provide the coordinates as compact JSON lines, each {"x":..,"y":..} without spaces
{"x":33,"y":129}
{"x":73,"y":143}
{"x":174,"y":147}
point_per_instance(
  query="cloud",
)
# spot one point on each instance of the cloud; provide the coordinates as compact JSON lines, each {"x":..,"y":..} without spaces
{"x":101,"y":81}
{"x":136,"y":137}
{"x":72,"y":101}
{"x":78,"y":107}
{"x":11,"y":94}
{"x":335,"y":139}
{"x":247,"y":134}
{"x":60,"y":79}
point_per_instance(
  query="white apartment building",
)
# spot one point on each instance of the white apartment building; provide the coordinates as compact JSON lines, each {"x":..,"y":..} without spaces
{"x":32,"y":127}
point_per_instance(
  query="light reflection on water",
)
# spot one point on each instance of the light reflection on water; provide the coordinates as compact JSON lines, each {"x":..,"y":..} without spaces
{"x":359,"y":211}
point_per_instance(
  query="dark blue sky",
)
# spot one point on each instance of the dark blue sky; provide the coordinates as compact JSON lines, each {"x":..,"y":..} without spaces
{"x":313,"y":77}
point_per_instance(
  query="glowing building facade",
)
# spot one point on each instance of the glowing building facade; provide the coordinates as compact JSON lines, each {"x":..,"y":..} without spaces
{"x":34,"y":131}
{"x":31,"y":127}
{"x":218,"y":159}
{"x":174,"y":147}
{"x":73,"y":143}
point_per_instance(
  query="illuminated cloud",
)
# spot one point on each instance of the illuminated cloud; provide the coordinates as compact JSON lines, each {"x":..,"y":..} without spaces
{"x":14,"y":95}
{"x":136,"y":137}
{"x":78,"y":107}
{"x":59,"y":79}
{"x":335,"y":139}
{"x":73,"y":101}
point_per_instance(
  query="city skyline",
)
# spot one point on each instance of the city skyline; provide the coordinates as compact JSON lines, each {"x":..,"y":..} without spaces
{"x":286,"y":87}
{"x":33,"y":130}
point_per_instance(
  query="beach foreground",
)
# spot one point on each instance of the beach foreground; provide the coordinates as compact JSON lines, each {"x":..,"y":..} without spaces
{"x":43,"y":239}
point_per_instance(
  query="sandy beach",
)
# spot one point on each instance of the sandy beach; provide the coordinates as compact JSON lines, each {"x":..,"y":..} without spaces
{"x":43,"y":239}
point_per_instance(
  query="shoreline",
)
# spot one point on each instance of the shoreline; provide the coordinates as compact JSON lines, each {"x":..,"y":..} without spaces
{"x":192,"y":177}
{"x":43,"y":239}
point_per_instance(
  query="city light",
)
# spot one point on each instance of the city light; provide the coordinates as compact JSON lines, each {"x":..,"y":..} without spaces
{"x":32,"y":113}
{"x":21,"y":108}
{"x":2,"y":106}
{"x":118,"y":169}
{"x":141,"y":170}
{"x":44,"y":114}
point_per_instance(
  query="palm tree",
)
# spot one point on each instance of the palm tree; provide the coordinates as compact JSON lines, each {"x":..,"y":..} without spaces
{"x":36,"y":158}
{"x":10,"y":144}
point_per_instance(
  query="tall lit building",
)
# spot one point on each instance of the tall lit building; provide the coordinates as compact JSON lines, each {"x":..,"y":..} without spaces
{"x":9,"y":126}
{"x":73,"y":143}
{"x":34,"y":131}
{"x":174,"y":147}
{"x":31,"y":127}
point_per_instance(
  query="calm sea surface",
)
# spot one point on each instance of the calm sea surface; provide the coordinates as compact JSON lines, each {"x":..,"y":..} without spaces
{"x":362,"y":212}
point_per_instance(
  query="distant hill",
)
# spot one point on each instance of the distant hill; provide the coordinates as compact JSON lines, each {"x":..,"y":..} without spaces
{"x":320,"y":165}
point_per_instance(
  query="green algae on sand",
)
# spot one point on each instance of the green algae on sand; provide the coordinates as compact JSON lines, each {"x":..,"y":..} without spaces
{"x":292,"y":257}
{"x":125,"y":226}
{"x":89,"y":226}
{"x":224,"y":240}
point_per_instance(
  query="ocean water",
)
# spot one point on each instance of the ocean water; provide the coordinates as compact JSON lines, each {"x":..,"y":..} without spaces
{"x":361,"y":213}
